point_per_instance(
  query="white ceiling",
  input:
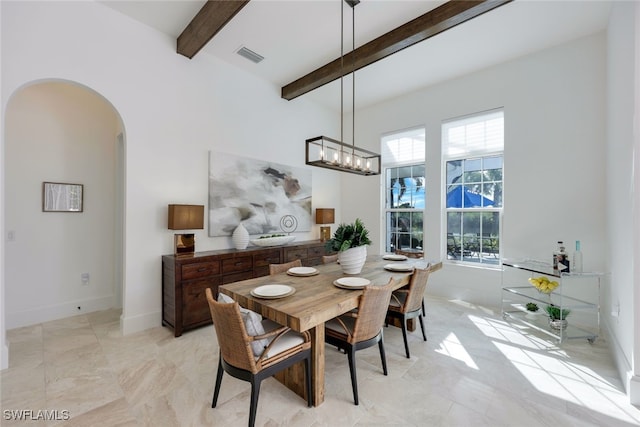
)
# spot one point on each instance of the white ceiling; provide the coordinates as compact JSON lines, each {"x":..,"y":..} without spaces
{"x":298,"y":36}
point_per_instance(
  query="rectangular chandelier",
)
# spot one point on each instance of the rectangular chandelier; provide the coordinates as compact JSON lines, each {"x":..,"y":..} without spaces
{"x":329,"y":153}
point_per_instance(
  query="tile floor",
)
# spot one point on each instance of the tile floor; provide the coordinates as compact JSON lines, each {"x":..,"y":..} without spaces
{"x":475,"y":369}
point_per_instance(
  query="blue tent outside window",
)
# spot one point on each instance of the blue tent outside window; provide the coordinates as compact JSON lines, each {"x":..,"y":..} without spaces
{"x":460,"y":193}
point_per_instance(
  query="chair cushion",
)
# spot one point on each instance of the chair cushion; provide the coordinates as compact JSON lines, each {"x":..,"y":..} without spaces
{"x":334,"y":327}
{"x":252,"y":324}
{"x":393,"y":304}
{"x":285,"y":342}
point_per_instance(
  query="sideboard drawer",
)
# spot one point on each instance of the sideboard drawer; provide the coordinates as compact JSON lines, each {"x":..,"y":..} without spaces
{"x":236,"y":277}
{"x":264,"y":259}
{"x":316,"y":252}
{"x":237,"y":264}
{"x":200,"y":269}
{"x":194,"y":301}
{"x":295,"y":254}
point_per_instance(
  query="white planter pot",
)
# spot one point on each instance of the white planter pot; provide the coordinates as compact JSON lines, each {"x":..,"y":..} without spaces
{"x":353,"y":259}
{"x":240,"y":237}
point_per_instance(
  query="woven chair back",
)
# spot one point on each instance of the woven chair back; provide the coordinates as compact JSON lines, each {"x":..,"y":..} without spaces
{"x":281,"y":268}
{"x":328,"y":259}
{"x":372,"y":310}
{"x":232,"y":335}
{"x":417,"y":287}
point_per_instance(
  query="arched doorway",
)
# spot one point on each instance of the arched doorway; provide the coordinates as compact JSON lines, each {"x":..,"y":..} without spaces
{"x":59,"y":264}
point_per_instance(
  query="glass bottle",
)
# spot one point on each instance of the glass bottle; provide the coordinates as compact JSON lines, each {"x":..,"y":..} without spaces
{"x":577,"y":258}
{"x":560,"y":259}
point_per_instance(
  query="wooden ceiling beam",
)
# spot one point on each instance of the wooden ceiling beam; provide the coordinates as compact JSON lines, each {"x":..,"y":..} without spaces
{"x":434,"y":22}
{"x":213,"y":16}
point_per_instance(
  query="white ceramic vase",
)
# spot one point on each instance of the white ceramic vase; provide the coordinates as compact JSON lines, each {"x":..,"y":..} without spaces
{"x":240,"y":237}
{"x":353,"y":259}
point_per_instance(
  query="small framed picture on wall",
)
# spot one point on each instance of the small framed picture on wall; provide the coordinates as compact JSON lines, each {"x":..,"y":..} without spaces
{"x":62,"y":197}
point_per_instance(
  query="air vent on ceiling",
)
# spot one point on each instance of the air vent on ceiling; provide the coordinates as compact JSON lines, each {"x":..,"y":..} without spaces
{"x":249,"y":54}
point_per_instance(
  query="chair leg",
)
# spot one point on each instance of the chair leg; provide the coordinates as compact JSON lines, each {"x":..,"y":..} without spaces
{"x":423,"y":310}
{"x":422,"y":327}
{"x":352,"y":369}
{"x":404,"y":337}
{"x":255,"y":391}
{"x":218,"y":383}
{"x":307,"y":380}
{"x":383,"y":357}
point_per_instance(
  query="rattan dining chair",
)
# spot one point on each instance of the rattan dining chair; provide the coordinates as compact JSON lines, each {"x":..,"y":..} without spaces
{"x":328,"y":259}
{"x":413,"y":253}
{"x":283,"y":348}
{"x":281,"y":268}
{"x":361,"y":329}
{"x":406,"y":303}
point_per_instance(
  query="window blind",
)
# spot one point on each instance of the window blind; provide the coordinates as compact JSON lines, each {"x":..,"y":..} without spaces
{"x":403,"y":147}
{"x":478,"y":134}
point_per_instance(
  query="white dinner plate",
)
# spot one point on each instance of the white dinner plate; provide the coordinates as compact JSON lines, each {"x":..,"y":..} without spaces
{"x":352,"y":282}
{"x":394,"y":257}
{"x":398,"y":267}
{"x":302,"y":271}
{"x":273,"y":291}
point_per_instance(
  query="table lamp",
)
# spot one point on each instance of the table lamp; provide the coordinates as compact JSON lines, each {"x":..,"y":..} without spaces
{"x":185,"y":217}
{"x":325,"y":216}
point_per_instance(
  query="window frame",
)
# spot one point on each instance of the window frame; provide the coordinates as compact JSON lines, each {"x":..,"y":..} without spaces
{"x":480,"y":241}
{"x":386,"y":210}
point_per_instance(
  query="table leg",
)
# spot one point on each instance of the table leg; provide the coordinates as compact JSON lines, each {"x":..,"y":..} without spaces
{"x":293,"y":377}
{"x":317,"y":364}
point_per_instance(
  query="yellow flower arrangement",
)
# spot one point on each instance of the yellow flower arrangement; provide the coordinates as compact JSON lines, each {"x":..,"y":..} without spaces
{"x":543,"y":284}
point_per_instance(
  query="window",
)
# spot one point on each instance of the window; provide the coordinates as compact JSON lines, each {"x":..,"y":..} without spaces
{"x":473,"y":161}
{"x":403,"y":155}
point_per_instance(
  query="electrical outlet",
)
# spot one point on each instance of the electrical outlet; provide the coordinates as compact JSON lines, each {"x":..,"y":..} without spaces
{"x":615,"y":310}
{"x":85,"y":277}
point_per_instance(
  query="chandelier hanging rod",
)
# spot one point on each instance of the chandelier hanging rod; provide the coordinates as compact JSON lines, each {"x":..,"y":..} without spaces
{"x":329,"y":153}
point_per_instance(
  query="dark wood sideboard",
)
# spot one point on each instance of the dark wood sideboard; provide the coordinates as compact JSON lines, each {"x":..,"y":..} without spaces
{"x":185,"y":277}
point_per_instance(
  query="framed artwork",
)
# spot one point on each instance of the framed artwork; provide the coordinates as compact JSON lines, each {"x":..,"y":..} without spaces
{"x":62,"y":197}
{"x":257,"y":194}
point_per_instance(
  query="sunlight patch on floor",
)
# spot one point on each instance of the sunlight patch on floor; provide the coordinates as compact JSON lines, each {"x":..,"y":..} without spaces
{"x":452,"y":347}
{"x":550,"y":370}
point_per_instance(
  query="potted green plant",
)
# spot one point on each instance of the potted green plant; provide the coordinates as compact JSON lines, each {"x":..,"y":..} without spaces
{"x":350,"y":241}
{"x":532,"y":306}
{"x":532,"y":309}
{"x":557,"y":316}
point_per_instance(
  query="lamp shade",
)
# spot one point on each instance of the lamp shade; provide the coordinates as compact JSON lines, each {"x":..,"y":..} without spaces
{"x":186,"y":217}
{"x":325,"y":216}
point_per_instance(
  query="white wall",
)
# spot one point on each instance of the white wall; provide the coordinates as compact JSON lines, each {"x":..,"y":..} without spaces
{"x":554,"y":103}
{"x":173,"y":111}
{"x":61,"y":133}
{"x":4,"y":350}
{"x":622,"y":194}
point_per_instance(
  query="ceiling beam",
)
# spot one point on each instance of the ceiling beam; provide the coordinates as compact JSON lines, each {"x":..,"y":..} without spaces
{"x":213,"y":16}
{"x":440,"y":19}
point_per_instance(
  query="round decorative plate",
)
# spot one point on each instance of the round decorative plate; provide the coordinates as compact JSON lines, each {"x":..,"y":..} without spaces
{"x":394,"y":257}
{"x":273,"y":291}
{"x":398,"y":267}
{"x":352,"y":282}
{"x":302,"y":271}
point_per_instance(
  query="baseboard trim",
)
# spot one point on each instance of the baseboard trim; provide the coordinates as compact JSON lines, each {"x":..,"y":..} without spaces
{"x":59,"y":311}
{"x":622,"y":364}
{"x":634,"y":390}
{"x":132,"y":324}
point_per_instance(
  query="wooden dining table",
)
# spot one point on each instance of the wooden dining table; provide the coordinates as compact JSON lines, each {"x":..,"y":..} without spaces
{"x":316,"y":300}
